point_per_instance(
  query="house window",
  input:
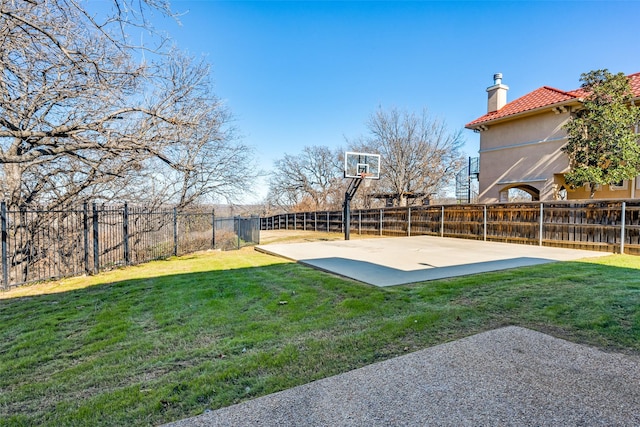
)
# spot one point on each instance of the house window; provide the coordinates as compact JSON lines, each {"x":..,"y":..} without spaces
{"x":618,"y":186}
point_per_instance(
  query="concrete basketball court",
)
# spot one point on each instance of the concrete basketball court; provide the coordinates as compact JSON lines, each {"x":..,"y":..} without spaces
{"x":402,"y":260}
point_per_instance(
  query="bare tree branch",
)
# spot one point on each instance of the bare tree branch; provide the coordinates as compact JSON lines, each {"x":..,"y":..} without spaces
{"x":309,"y":180}
{"x":81,"y":117}
{"x":419,"y":155}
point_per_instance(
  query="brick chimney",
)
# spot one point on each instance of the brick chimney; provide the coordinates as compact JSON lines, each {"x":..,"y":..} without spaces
{"x":497,"y":94}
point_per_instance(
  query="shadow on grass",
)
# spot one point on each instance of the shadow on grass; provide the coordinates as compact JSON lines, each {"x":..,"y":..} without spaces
{"x":152,"y":350}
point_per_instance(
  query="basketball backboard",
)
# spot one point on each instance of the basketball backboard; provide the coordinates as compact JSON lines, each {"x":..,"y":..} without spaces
{"x":356,"y":164}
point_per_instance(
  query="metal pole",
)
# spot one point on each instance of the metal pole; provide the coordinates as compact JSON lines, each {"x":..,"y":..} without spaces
{"x":125,"y":233}
{"x":442,"y":222}
{"x":381,"y":222}
{"x":85,"y":227}
{"x":485,"y":223}
{"x":304,"y":221}
{"x":328,"y":221}
{"x":360,"y":221}
{"x":175,"y":232}
{"x":347,"y":216}
{"x":213,"y":227}
{"x":469,"y":182}
{"x":541,"y":223}
{"x":409,"y":222}
{"x":96,"y":250}
{"x":5,"y":263}
{"x":622,"y":226}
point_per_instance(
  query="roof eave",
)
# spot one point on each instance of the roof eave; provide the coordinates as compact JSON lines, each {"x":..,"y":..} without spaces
{"x":485,"y":123}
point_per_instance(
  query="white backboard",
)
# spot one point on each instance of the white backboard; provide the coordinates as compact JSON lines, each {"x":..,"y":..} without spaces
{"x":356,"y":164}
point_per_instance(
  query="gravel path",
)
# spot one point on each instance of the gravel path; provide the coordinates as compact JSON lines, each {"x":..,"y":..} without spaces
{"x":508,"y":377}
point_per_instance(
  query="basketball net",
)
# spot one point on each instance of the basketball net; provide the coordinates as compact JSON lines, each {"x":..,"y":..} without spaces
{"x":365,"y":176}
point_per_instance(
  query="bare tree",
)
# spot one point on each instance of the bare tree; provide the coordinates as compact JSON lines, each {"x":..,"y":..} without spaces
{"x":211,"y":163}
{"x":311,"y":180}
{"x":419,"y":155}
{"x":86,"y":116}
{"x":82,"y":116}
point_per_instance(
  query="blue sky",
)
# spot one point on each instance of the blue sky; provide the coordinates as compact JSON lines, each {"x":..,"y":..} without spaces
{"x":301,"y":73}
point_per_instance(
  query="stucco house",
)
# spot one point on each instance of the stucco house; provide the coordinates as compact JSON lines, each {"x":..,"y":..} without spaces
{"x":521,"y":141}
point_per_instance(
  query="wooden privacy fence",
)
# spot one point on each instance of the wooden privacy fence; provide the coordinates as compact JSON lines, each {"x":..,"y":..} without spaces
{"x":38,"y":244}
{"x":604,"y":225}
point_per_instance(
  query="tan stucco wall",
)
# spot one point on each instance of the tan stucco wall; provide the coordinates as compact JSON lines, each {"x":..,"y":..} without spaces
{"x":522,"y":152}
{"x":626,"y":191}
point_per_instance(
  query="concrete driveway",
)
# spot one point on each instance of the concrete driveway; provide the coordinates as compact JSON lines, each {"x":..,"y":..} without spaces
{"x":402,"y":260}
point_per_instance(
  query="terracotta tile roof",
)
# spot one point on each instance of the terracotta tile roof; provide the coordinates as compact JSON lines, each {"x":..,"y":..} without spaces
{"x":542,"y":97}
{"x":634,"y":81}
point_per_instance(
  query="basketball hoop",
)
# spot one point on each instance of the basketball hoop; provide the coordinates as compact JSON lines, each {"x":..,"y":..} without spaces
{"x":357,"y":167}
{"x":367,"y":179}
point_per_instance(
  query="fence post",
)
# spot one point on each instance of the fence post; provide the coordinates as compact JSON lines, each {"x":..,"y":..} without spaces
{"x":96,"y":241}
{"x":85,"y":228}
{"x":381,"y":222}
{"x":442,"y":222}
{"x":5,"y":270}
{"x":236,"y":220}
{"x":304,"y":221}
{"x":213,"y":228}
{"x":125,"y":233}
{"x":315,"y":221}
{"x":622,"y":226}
{"x":175,"y":231}
{"x":541,"y":222}
{"x":328,"y":223}
{"x":409,"y":222}
{"x":360,"y":221}
{"x":484,"y":227}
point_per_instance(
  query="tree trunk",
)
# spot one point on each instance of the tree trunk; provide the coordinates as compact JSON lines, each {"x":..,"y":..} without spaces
{"x":13,"y":183}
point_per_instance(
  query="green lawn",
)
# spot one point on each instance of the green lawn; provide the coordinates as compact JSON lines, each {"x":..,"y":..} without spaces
{"x":166,"y":340}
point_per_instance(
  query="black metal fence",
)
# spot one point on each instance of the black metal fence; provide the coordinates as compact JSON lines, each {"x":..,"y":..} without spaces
{"x":44,"y":244}
{"x":603,"y":225}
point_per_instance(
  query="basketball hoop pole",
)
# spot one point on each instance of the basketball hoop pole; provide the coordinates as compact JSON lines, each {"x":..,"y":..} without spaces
{"x":348,"y":195}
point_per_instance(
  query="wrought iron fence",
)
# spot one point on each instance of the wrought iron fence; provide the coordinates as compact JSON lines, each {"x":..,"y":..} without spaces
{"x":602,"y":225}
{"x":40,"y":244}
